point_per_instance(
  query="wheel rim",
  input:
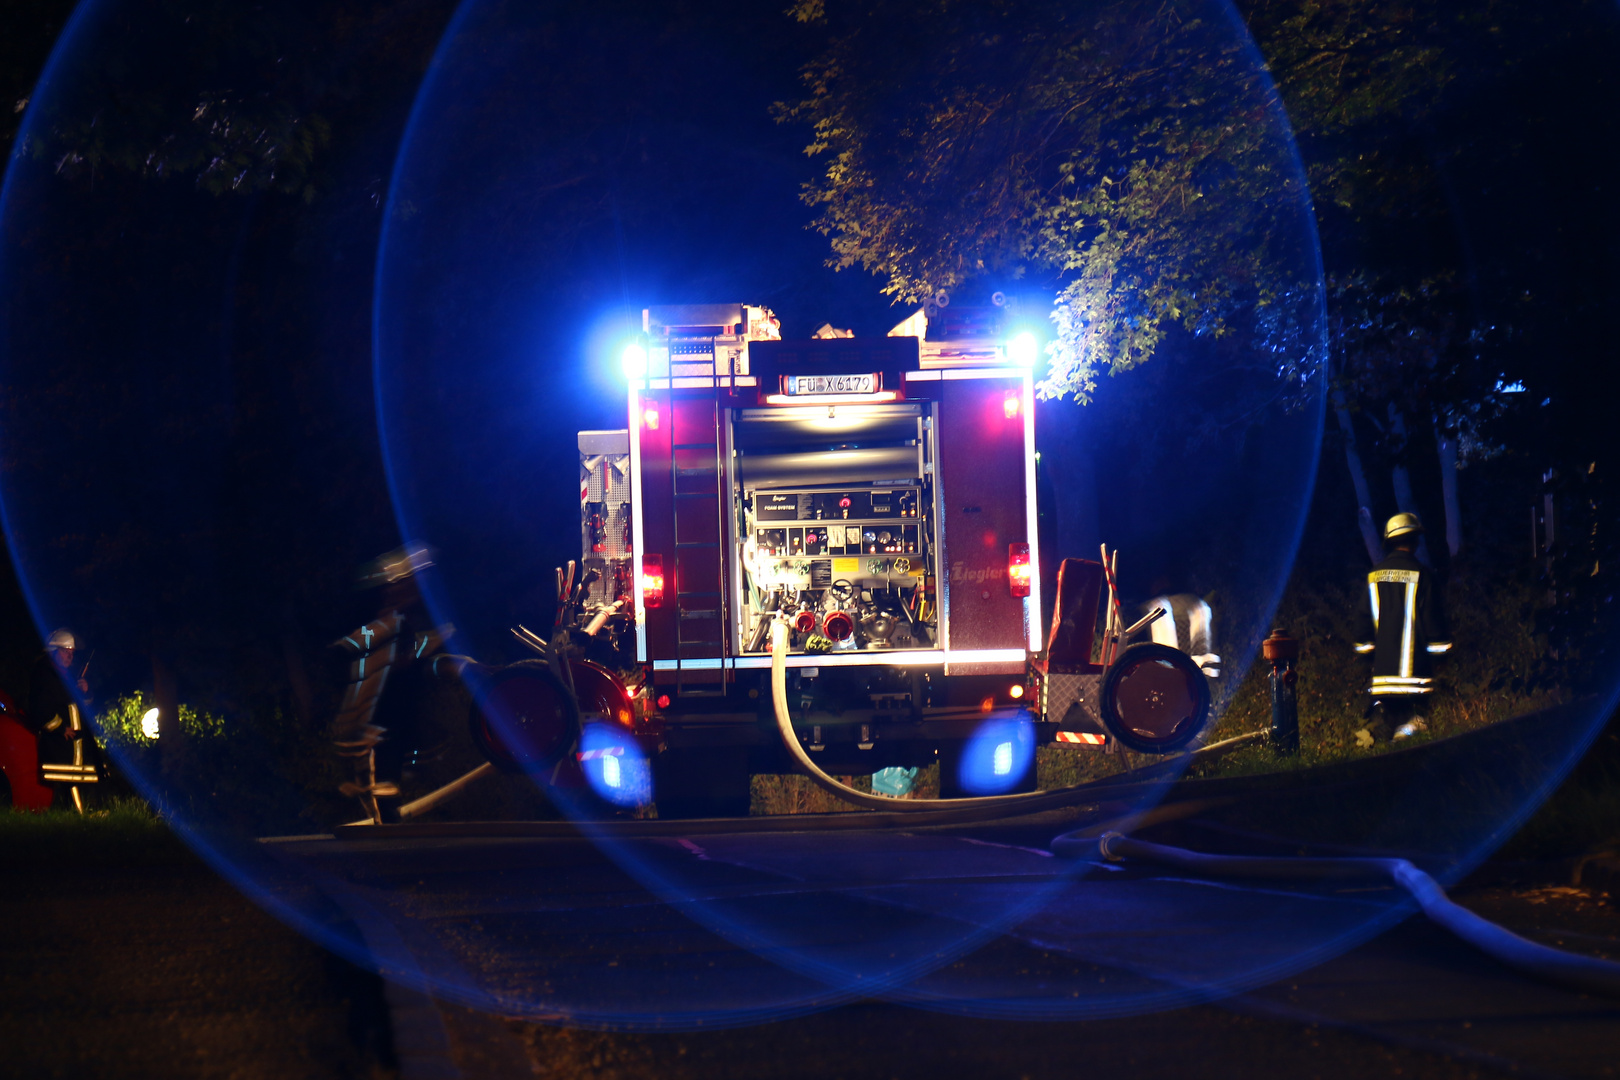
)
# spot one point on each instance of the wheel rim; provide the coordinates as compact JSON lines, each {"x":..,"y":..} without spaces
{"x":1155,"y":701}
{"x":527,"y":721}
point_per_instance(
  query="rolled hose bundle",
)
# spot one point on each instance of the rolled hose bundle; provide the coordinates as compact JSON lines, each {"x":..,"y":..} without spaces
{"x":1537,"y":961}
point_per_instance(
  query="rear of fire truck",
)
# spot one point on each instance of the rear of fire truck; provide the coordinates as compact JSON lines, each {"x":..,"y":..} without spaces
{"x":878,"y":493}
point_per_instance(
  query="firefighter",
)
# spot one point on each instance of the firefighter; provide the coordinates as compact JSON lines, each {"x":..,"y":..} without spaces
{"x":389,"y":654}
{"x":55,"y":703}
{"x":1407,"y":629}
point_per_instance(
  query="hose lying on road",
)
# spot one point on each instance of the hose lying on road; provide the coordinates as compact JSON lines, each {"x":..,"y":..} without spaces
{"x":1537,"y":961}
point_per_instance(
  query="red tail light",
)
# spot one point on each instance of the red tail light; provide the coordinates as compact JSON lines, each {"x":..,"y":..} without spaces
{"x":1018,"y":569}
{"x":1011,"y":404}
{"x":649,"y":416}
{"x":652,"y":581}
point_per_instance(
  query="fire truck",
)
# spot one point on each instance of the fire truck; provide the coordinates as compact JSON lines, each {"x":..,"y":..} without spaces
{"x":876,"y":493}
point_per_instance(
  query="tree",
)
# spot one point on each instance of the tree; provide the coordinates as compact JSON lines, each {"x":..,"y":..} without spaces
{"x":1136,"y":157}
{"x":181,"y":381}
{"x":1413,"y":369}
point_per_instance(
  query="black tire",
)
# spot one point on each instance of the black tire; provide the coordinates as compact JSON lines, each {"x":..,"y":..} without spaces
{"x":523,"y":719}
{"x":1154,"y":699}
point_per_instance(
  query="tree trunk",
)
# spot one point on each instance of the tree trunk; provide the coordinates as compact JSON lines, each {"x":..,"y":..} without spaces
{"x":166,"y":693}
{"x":298,"y":676}
{"x":1358,"y":477}
{"x":1402,"y":481}
{"x":1447,"y":445}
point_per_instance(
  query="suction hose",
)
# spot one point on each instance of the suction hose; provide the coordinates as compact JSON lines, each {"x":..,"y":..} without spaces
{"x":1029,"y":800}
{"x":784,"y":726}
{"x":1550,"y":965}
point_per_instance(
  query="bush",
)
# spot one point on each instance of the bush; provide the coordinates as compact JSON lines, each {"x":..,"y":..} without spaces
{"x":120,"y":722}
{"x":1498,"y":670}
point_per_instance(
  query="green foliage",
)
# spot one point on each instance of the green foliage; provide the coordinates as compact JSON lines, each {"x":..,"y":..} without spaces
{"x":233,"y":105}
{"x":1415,"y":352}
{"x":1136,"y":155}
{"x":120,"y":721}
{"x":1138,"y":158}
{"x":259,"y":772}
{"x":1354,"y":76}
{"x":1498,"y":672}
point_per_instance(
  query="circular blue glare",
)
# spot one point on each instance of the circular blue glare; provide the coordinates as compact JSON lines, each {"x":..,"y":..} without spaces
{"x":505,"y":297}
{"x":192,"y":476}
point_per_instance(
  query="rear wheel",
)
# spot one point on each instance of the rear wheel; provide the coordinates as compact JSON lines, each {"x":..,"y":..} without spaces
{"x":523,"y":718}
{"x":1155,"y":700}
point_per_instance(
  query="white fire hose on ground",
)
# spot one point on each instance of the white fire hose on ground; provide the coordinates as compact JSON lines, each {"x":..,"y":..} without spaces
{"x":1584,"y":973}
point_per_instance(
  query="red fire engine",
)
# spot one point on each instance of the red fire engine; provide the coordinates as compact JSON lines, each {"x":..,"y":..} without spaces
{"x":874,"y":498}
{"x":879,"y":492}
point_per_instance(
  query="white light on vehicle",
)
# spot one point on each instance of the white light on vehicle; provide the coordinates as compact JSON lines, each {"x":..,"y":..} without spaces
{"x":1023,"y":349}
{"x":1002,"y":763}
{"x":634,"y":359}
{"x":149,"y":724}
{"x":611,"y":776}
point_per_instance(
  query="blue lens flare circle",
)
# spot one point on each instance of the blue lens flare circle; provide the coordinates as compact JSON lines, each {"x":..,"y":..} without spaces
{"x":191,"y":477}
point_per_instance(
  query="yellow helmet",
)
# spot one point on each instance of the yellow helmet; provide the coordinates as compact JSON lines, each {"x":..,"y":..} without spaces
{"x":1402,"y":525}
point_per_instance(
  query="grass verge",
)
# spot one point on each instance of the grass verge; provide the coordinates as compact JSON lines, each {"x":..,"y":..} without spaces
{"x":123,"y":832}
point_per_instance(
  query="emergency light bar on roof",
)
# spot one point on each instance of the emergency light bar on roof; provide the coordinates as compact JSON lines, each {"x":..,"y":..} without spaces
{"x":958,"y":336}
{"x":718,"y":318}
{"x":706,"y":341}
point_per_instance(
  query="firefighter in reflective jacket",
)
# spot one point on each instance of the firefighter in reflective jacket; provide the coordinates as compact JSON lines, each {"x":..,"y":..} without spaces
{"x":1408,"y":628}
{"x":388,"y":654}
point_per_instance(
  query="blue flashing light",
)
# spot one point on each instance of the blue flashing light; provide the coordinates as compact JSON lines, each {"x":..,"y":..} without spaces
{"x":634,"y":360}
{"x":1023,"y":349}
{"x":998,"y":755}
{"x":614,"y":765}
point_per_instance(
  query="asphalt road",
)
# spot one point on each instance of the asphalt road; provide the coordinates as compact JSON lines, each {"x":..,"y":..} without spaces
{"x":927,"y":953}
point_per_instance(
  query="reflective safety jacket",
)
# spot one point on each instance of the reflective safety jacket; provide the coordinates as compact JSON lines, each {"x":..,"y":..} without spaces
{"x":1407,"y":626}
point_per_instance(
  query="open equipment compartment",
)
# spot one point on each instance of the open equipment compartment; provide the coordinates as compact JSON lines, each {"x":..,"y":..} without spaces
{"x":835,"y":527}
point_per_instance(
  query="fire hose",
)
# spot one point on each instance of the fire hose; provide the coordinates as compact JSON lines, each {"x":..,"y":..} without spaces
{"x":1028,"y":800}
{"x":1541,"y":962}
